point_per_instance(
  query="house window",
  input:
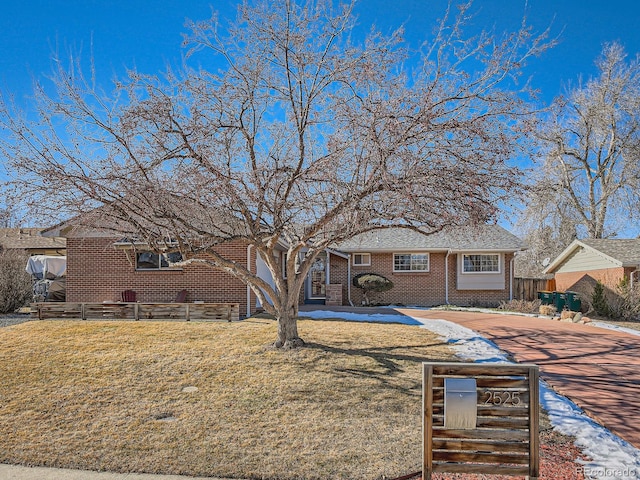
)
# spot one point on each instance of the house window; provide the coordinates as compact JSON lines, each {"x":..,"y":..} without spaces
{"x":155,"y":261}
{"x":361,"y":259}
{"x":481,"y":263}
{"x":411,"y":262}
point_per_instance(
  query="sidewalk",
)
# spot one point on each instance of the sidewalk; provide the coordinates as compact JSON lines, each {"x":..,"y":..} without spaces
{"x":15,"y":472}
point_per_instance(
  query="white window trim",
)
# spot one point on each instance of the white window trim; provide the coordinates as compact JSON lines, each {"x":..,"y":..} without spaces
{"x":353,"y":259}
{"x":393,"y":259}
{"x":498,"y":272}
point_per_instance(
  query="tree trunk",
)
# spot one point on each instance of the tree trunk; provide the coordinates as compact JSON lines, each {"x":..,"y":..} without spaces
{"x":288,"y":330}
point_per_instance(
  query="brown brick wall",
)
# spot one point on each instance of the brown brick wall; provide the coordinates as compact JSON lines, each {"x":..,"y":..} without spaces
{"x":610,"y":277}
{"x":424,"y":289}
{"x":334,"y":294}
{"x":481,"y":298}
{"x":339,"y":274}
{"x":96,"y":272}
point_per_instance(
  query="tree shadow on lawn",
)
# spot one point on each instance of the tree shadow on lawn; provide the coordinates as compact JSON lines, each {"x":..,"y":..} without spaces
{"x":388,"y":365}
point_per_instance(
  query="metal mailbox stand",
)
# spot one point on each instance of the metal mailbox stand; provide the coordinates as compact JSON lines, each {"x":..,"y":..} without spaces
{"x":494,"y":431}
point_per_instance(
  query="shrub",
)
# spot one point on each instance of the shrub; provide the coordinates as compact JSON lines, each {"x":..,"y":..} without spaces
{"x":625,"y":303}
{"x":621,"y":303}
{"x":599,"y":301}
{"x":520,"y":306}
{"x":371,"y":283}
{"x":15,"y":283}
{"x":548,"y":310}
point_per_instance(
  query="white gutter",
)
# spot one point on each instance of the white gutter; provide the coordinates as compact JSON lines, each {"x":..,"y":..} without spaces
{"x":446,"y":277}
{"x":248,"y":287}
{"x":511,"y":263}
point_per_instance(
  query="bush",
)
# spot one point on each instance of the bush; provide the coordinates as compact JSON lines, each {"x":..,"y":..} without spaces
{"x":520,"y":306}
{"x":625,"y":304}
{"x":599,"y":301}
{"x":622,"y":303}
{"x":371,"y":283}
{"x":547,"y":310}
{"x":15,"y":283}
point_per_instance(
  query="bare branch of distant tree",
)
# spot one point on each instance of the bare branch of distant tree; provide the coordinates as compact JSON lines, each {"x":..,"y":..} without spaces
{"x":592,"y":139}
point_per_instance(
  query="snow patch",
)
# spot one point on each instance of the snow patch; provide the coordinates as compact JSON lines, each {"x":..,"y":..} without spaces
{"x":617,"y":328}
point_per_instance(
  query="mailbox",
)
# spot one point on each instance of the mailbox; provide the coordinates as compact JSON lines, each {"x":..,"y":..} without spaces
{"x":460,"y":403}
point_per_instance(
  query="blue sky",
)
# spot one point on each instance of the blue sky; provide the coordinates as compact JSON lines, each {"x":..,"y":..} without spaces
{"x":147,"y":33}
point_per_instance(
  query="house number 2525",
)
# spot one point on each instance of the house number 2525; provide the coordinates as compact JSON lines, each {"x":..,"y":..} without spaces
{"x":501,"y":398}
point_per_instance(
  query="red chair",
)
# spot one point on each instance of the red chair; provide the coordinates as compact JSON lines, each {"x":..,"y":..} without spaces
{"x":181,"y":297}
{"x":128,"y":296}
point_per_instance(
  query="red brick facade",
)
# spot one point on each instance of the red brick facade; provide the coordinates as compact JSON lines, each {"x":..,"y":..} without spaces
{"x":424,"y":289}
{"x":97,"y":272}
{"x":584,"y":281}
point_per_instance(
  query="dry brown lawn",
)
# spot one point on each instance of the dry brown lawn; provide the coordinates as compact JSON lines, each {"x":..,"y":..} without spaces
{"x":111,"y":396}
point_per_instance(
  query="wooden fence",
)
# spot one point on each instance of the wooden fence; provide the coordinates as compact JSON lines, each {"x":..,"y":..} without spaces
{"x":136,"y":311}
{"x":504,"y":435}
{"x":528,"y":288}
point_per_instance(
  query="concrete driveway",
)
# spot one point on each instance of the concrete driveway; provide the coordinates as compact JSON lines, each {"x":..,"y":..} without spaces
{"x":597,"y":368}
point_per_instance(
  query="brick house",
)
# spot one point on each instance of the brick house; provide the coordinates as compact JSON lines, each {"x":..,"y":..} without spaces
{"x":461,"y":266}
{"x":585,"y":262}
{"x":464,"y":267}
{"x":100,"y":269}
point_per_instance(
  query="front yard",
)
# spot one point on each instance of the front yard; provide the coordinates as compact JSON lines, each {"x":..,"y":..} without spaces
{"x":211,"y":399}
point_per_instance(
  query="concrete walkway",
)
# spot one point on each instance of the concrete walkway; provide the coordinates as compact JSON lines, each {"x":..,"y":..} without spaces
{"x":597,"y":368}
{"x":15,"y":472}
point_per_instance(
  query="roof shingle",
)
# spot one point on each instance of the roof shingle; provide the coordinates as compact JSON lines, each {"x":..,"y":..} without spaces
{"x":29,"y":239}
{"x":478,"y":238}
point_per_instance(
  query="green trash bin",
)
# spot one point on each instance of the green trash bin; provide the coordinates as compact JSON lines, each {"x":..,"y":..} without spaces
{"x":546,"y":298}
{"x":573,"y":301}
{"x":559,"y":299}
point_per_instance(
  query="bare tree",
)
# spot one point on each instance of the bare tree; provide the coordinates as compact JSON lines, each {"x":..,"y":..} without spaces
{"x":301,"y":137}
{"x":6,"y":218}
{"x":591,"y":172}
{"x":15,"y":283}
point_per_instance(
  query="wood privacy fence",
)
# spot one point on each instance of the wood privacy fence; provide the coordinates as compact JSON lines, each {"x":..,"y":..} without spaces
{"x":136,"y":311}
{"x":528,"y":288}
{"x":494,"y":429}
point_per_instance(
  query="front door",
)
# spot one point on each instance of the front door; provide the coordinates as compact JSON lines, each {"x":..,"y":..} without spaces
{"x":317,"y":280}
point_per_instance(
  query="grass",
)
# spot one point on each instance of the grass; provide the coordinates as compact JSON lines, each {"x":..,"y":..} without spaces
{"x":110,"y":396}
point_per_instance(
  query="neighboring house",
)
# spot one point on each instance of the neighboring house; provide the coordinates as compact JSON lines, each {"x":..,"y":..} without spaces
{"x":461,"y":266}
{"x":31,"y":241}
{"x":585,"y":262}
{"x":464,"y":267}
{"x":46,"y":259}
